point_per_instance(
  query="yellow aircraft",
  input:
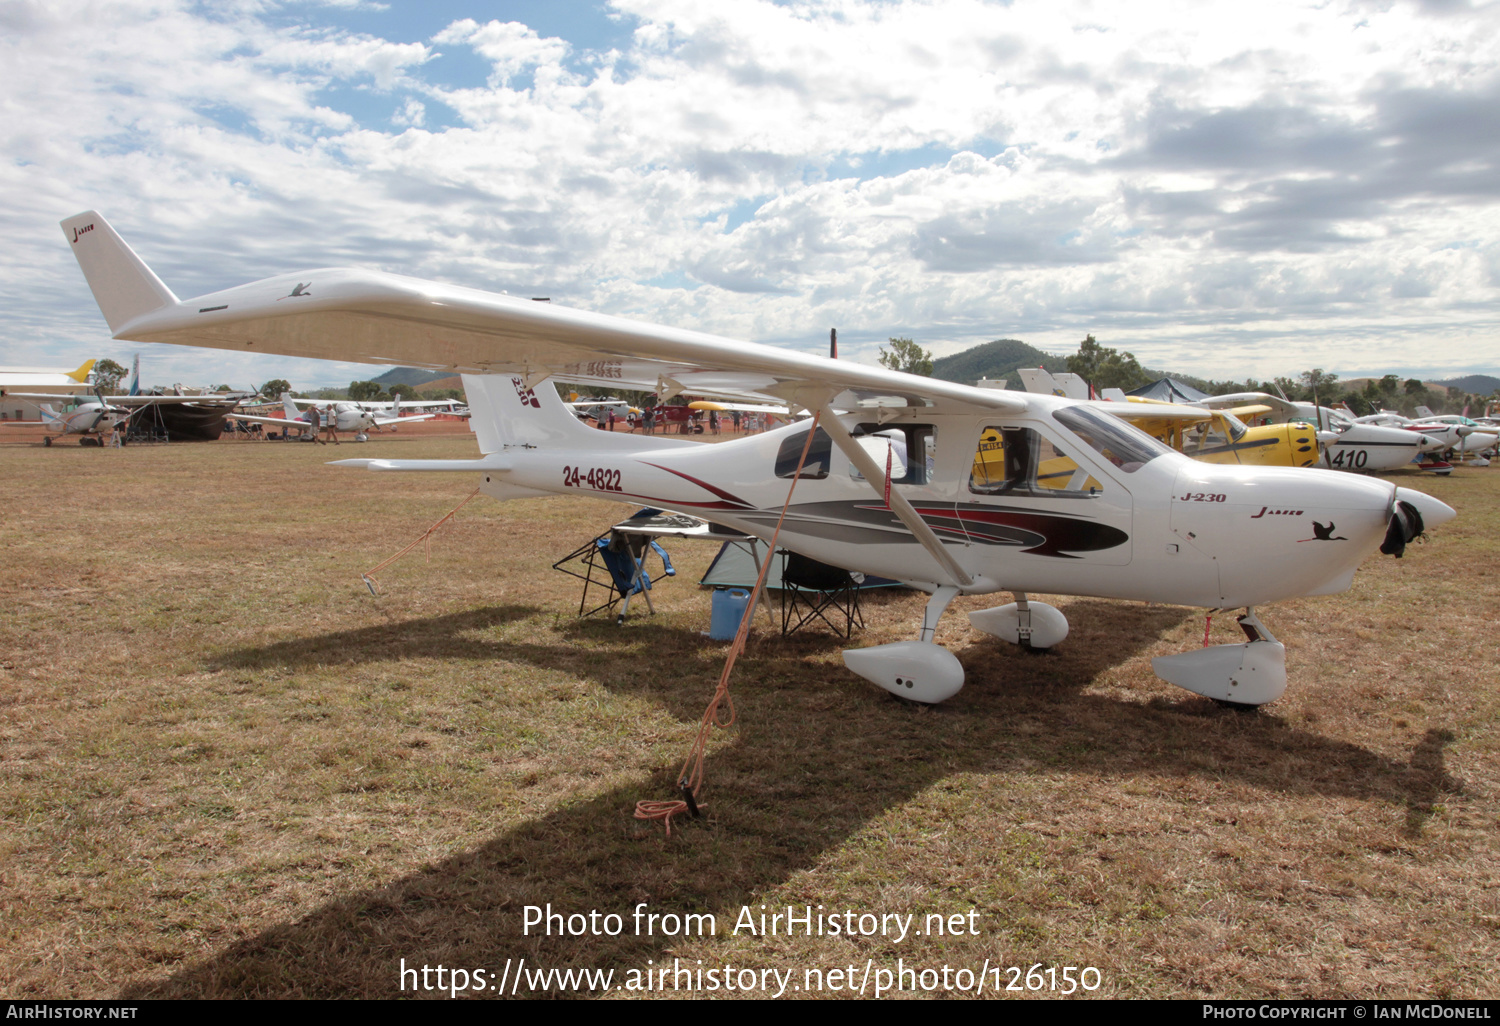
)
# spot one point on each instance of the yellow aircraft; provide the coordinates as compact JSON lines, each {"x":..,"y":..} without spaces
{"x":1213,"y":436}
{"x":1221,"y":436}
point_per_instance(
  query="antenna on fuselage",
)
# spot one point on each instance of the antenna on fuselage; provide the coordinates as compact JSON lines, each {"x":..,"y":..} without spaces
{"x":833,"y":343}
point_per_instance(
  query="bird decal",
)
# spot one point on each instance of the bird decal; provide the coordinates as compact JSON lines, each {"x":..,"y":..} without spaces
{"x":1322,"y":533}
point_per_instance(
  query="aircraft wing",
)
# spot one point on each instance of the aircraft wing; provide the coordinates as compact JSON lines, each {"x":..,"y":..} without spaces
{"x":775,"y":411}
{"x":372,"y":317}
{"x":278,"y":422}
{"x":125,"y":400}
{"x":1151,"y":409}
{"x":1275,"y":404}
{"x":385,"y":421}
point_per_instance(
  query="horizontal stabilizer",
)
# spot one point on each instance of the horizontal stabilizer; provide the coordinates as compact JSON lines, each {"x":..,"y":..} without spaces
{"x":491,"y":462}
{"x":123,"y":286}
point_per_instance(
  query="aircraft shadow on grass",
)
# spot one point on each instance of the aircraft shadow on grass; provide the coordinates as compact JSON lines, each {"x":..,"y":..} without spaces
{"x":779,"y":799}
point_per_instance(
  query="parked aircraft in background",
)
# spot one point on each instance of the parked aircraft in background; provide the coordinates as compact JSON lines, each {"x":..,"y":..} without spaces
{"x":1347,"y":445}
{"x":191,"y":416}
{"x":1449,"y":437}
{"x":91,"y":421}
{"x":45,"y":377}
{"x":345,"y":416}
{"x":1216,"y":435}
{"x":1153,"y":525}
{"x":386,"y":410}
{"x":1476,"y":440}
{"x":600,"y":409}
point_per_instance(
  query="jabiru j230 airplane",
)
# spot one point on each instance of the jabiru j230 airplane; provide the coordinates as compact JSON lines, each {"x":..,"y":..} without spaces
{"x":1137,"y":521}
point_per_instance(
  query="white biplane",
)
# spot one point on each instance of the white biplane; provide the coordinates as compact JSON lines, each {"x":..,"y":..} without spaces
{"x":956,"y":490}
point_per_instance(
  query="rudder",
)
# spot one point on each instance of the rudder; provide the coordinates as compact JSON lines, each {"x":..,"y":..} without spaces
{"x":122,"y":284}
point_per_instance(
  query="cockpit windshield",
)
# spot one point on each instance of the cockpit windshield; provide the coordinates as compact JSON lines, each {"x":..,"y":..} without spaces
{"x":1234,"y":426}
{"x":1124,"y":445}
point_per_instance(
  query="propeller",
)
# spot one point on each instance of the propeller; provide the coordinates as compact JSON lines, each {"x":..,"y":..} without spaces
{"x":1405,"y":526}
{"x":1326,"y":435}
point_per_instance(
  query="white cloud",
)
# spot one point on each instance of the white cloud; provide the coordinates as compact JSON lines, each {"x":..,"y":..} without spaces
{"x":1194,"y":181}
{"x":509,"y":46}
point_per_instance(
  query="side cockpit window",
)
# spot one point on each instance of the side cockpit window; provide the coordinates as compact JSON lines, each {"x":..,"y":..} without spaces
{"x":1014,"y":460}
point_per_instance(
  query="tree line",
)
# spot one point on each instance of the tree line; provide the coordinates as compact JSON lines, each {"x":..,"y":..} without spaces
{"x":1103,"y":367}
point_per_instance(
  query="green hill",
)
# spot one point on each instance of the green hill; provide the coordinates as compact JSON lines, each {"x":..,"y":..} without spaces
{"x":1474,"y":384}
{"x":409,"y":376}
{"x":998,"y":359}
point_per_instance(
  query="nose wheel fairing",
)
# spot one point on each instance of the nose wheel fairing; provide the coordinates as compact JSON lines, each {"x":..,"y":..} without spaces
{"x":1253,"y":673}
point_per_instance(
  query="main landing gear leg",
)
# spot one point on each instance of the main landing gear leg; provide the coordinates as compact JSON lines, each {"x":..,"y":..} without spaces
{"x":936,"y":606}
{"x":1243,"y":676}
{"x":918,"y":670}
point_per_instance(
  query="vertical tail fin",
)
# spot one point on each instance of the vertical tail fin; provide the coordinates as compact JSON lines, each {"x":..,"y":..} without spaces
{"x":135,"y":376}
{"x":504,"y":410}
{"x":85,"y":368}
{"x":292,"y":413}
{"x":123,"y":286}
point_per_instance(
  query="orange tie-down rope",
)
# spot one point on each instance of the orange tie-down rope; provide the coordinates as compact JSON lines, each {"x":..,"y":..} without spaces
{"x":369,"y":576}
{"x":690,"y":777}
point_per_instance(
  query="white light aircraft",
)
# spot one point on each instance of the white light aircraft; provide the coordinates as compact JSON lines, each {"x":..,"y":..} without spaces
{"x":1448,"y":436}
{"x":1135,"y":521}
{"x":129,"y":404}
{"x":390,"y":409}
{"x":346,"y":416}
{"x":1475,"y":438}
{"x":92,"y":421}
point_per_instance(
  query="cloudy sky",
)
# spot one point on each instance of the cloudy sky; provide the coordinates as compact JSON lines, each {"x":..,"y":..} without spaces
{"x":1224,"y":189}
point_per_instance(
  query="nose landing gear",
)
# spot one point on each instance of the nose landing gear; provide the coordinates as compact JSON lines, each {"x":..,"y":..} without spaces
{"x":1247,"y":675}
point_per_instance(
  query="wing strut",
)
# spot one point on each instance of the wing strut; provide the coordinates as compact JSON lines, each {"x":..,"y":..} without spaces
{"x":897,"y":502}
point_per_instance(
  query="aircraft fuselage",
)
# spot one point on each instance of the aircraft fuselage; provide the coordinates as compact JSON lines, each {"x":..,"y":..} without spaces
{"x":1170,"y":529}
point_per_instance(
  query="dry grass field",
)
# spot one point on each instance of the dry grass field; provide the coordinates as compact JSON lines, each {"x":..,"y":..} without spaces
{"x":227,"y":770}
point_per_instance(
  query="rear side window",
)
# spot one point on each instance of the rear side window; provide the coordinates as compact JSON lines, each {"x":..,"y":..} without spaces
{"x":911,"y":449}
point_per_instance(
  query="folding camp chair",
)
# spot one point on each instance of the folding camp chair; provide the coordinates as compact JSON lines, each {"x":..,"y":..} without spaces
{"x":811,"y":590}
{"x":616,"y":562}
